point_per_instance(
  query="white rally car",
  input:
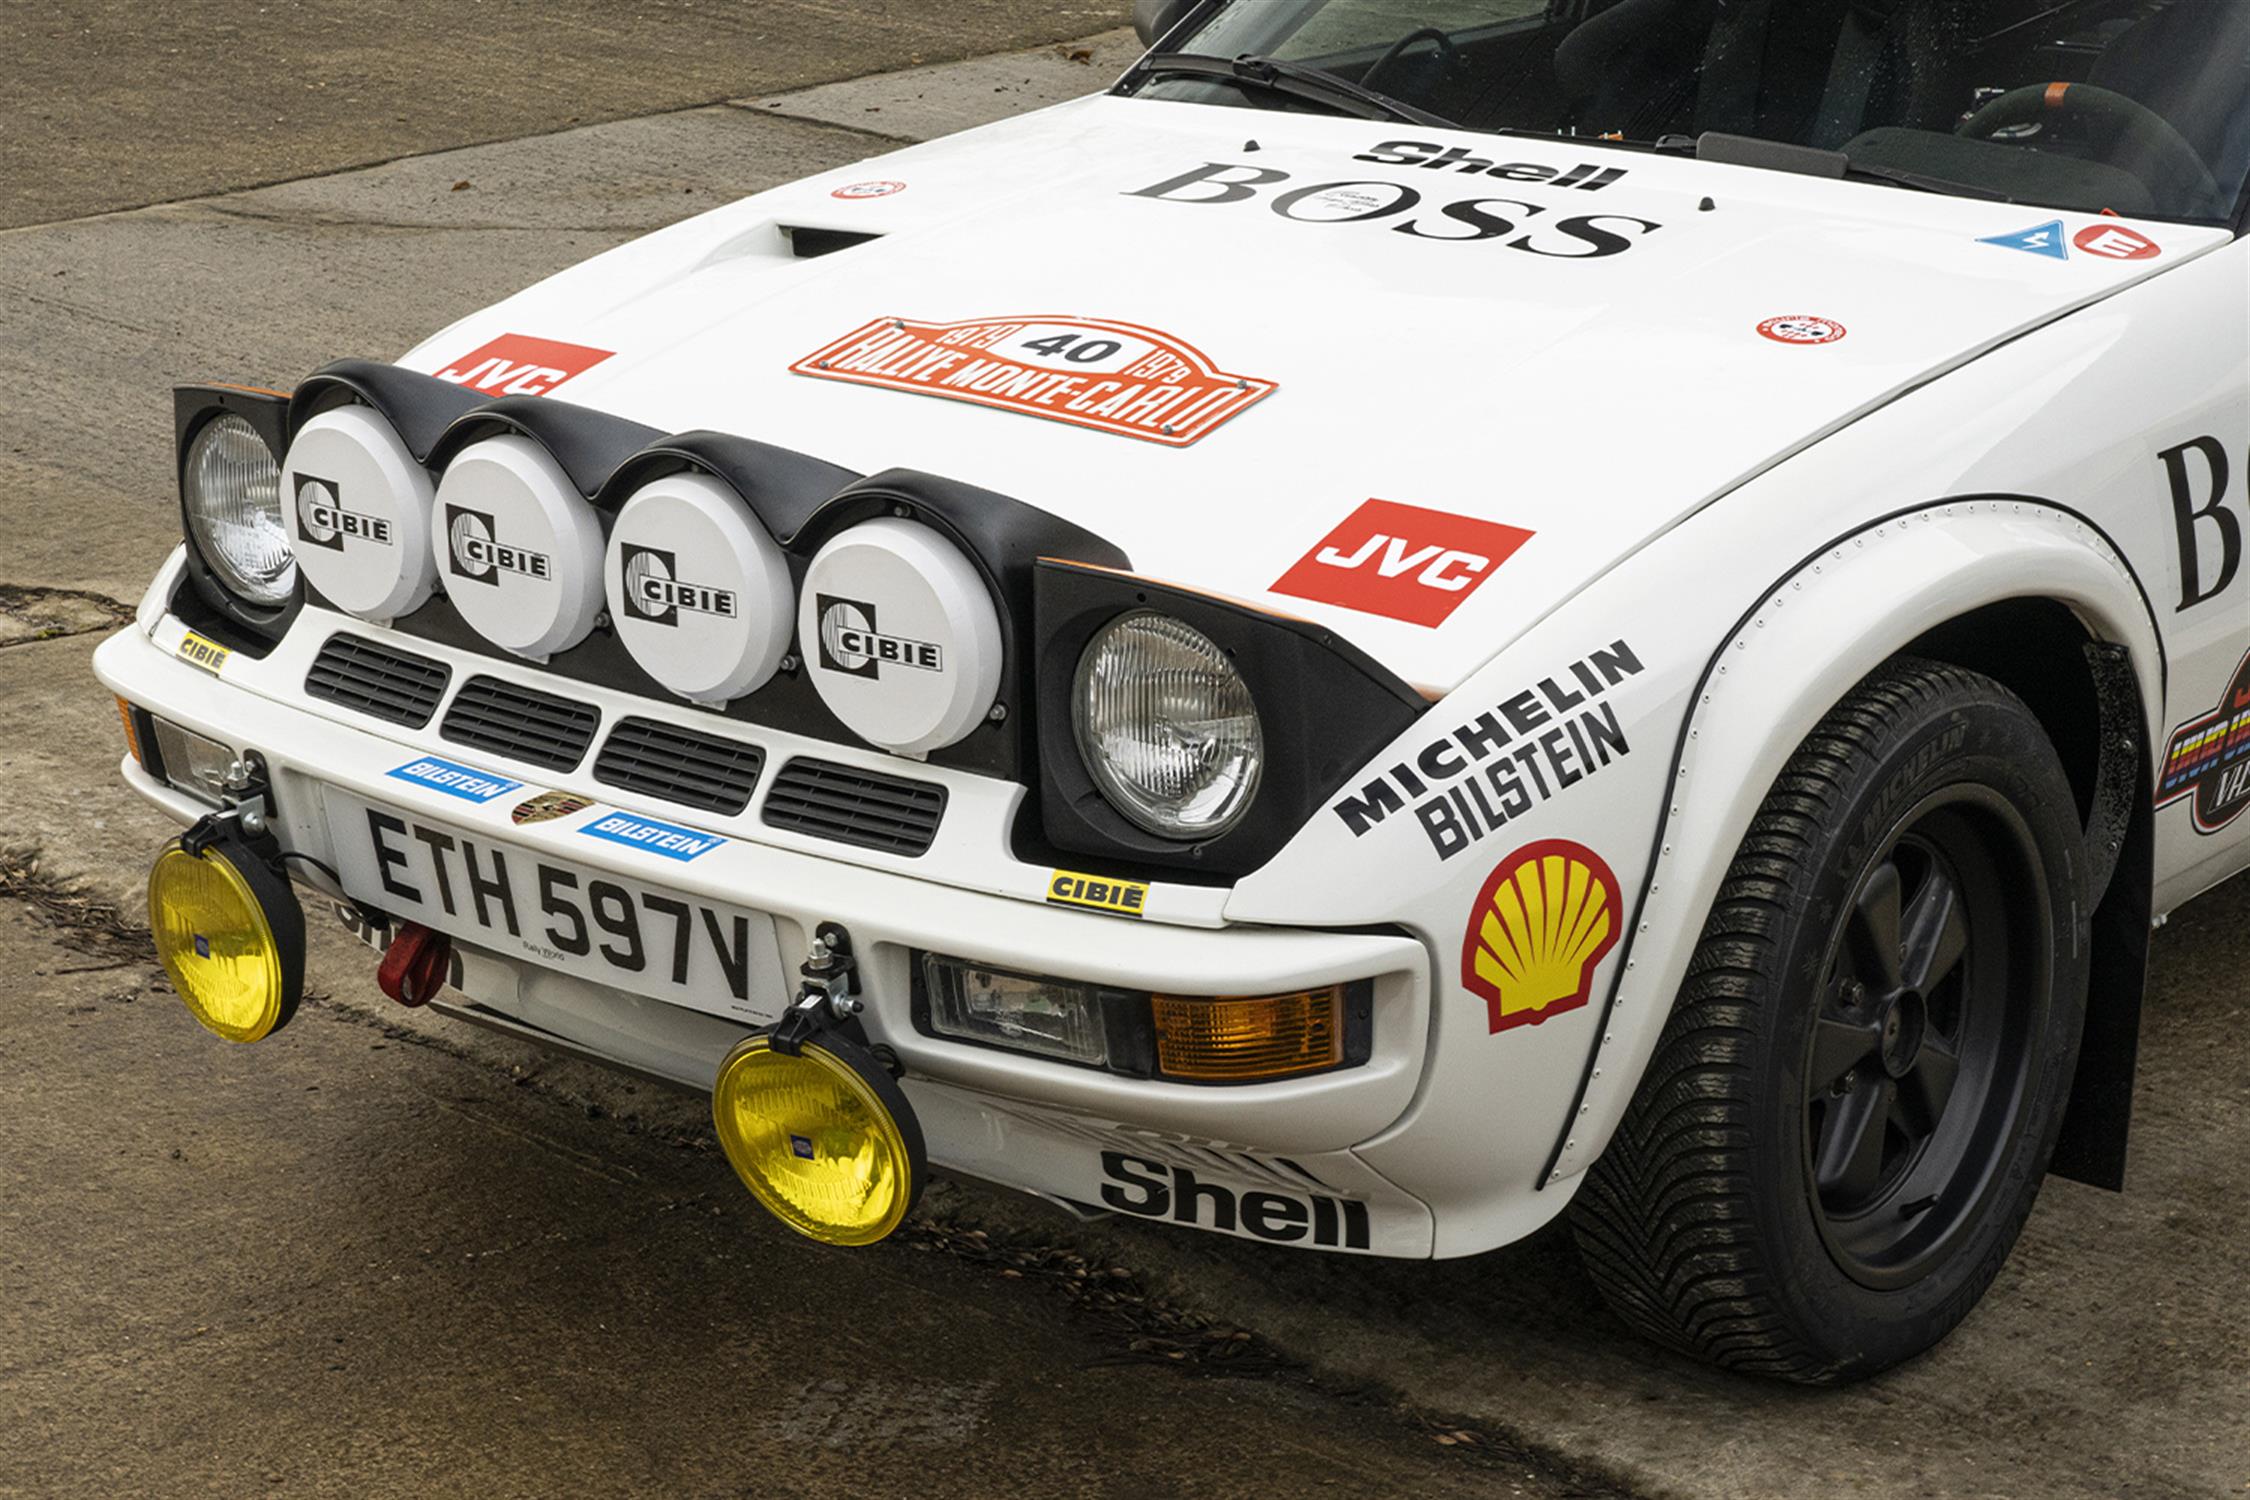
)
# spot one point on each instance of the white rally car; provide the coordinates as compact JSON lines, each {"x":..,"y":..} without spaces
{"x":1423,"y":615}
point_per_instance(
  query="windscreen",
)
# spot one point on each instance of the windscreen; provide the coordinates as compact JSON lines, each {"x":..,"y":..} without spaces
{"x":2136,"y":107}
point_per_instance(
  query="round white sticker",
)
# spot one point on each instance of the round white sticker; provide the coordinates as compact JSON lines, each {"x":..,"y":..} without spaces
{"x":1800,"y":328}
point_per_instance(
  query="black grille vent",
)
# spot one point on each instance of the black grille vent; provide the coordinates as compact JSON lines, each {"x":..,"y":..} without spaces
{"x":856,"y":807}
{"x":679,"y":765}
{"x":521,"y":722}
{"x":377,"y":680}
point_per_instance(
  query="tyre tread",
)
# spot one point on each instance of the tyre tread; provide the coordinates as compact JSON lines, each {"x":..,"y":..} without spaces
{"x":1665,"y":1220}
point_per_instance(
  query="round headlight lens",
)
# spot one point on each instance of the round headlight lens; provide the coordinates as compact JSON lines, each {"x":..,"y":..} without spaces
{"x":233,"y":492}
{"x":1166,"y":725}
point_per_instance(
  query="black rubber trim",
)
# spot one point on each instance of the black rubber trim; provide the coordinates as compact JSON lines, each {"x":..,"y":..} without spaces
{"x":781,"y":487}
{"x":588,"y":445}
{"x":1687,"y":724}
{"x":419,"y":407}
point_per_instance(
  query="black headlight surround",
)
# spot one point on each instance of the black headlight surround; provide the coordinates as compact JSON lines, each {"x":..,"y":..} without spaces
{"x":207,"y":604}
{"x":1326,"y":709}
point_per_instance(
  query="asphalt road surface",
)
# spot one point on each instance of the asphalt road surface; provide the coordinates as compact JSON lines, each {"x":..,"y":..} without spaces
{"x":385,"y":1254}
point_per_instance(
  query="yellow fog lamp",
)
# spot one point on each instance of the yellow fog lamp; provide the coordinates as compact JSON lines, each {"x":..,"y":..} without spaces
{"x":813,"y":1123}
{"x":822,"y":1137}
{"x":228,"y":930}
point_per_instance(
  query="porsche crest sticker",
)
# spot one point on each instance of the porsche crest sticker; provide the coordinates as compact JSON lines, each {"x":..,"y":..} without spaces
{"x":1112,"y":377}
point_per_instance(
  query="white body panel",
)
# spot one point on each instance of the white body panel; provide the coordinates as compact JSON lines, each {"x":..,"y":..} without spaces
{"x":1725,"y":531}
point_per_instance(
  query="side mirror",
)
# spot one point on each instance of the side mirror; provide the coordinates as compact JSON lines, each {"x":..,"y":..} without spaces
{"x":1152,"y":18}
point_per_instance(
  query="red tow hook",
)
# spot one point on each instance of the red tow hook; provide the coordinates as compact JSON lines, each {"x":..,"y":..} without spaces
{"x":415,"y":965}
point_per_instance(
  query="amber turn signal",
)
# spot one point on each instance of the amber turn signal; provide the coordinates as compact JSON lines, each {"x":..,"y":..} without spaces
{"x":1236,"y":1039}
{"x":132,"y":735}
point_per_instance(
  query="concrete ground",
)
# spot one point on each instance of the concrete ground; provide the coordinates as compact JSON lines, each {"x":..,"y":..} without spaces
{"x":386,"y":1254}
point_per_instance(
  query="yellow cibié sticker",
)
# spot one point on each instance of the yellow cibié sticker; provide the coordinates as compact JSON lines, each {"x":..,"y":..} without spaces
{"x":1120,"y":898}
{"x":198,"y":652}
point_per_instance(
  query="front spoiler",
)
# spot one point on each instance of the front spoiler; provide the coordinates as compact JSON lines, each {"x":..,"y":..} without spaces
{"x":1210,"y":1157}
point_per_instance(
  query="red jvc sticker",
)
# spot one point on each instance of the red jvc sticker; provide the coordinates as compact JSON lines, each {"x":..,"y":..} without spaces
{"x":516,"y":364}
{"x":1402,"y":561}
{"x":1113,"y":377}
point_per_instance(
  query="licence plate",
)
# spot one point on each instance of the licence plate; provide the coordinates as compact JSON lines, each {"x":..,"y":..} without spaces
{"x":601,"y":927}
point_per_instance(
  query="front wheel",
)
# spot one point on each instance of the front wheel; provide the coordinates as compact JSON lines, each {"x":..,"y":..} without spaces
{"x":1853,"y":1104}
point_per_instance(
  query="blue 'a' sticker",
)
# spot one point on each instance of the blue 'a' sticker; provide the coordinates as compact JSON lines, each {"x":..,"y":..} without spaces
{"x":2046,"y":239}
{"x":801,"y":1146}
{"x":465,"y":782}
{"x":657,"y":837}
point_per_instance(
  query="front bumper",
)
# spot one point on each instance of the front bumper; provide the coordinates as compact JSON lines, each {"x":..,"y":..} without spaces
{"x":1273,"y":1161}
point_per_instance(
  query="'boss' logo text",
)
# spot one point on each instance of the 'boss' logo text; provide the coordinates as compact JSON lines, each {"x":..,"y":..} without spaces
{"x":1380,"y":201}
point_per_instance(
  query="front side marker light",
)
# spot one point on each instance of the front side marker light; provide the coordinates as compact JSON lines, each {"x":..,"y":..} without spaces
{"x":229,"y":933}
{"x":821,"y":1136}
{"x":132,"y":734}
{"x":1240,"y":1040}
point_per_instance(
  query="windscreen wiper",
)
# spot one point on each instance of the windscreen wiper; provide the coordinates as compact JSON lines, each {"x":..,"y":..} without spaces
{"x":1294,"y":80}
{"x":1811,"y":161}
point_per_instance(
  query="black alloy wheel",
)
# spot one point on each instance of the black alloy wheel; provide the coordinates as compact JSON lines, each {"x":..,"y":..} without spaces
{"x":1854,"y":1101}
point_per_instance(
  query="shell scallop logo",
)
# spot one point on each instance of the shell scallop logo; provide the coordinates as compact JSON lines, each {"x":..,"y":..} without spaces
{"x":1543,"y":923}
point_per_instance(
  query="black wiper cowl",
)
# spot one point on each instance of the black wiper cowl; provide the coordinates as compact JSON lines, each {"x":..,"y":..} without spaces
{"x":1295,"y":80}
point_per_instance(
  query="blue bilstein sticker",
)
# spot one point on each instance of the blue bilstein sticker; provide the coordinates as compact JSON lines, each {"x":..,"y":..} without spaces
{"x":465,"y":782}
{"x":668,"y":839}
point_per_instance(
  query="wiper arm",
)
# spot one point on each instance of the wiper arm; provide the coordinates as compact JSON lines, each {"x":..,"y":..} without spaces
{"x":1295,"y":80}
{"x":1810,"y":161}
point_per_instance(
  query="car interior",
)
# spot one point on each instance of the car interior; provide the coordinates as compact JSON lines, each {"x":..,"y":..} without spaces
{"x":2133,"y":106}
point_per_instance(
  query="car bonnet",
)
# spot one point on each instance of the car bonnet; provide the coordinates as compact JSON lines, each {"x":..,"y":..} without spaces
{"x":1419,"y":385}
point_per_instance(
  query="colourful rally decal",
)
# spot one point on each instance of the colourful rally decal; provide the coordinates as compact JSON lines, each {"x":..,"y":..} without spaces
{"x":1802,"y":328}
{"x":668,"y":839}
{"x":1543,"y":923}
{"x":198,"y":652}
{"x":1112,"y":377}
{"x":465,"y":782}
{"x":2209,"y":759}
{"x":2041,"y":239}
{"x":2116,"y":242}
{"x":1402,"y":561}
{"x":1124,"y":898}
{"x":548,"y":806}
{"x":516,"y":364}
